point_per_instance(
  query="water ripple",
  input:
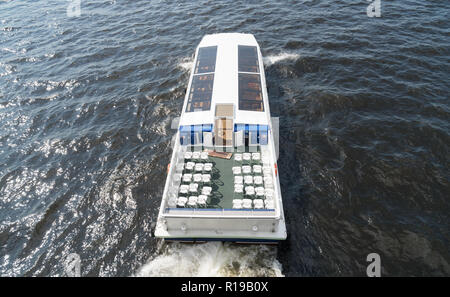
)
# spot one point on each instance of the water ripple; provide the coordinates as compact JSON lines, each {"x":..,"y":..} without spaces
{"x":86,"y":105}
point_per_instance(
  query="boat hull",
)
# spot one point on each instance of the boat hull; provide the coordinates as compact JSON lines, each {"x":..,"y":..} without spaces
{"x":228,"y":104}
{"x":232,"y":240}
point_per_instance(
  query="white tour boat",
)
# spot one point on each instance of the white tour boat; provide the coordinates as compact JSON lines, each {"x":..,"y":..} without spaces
{"x":223,"y":183}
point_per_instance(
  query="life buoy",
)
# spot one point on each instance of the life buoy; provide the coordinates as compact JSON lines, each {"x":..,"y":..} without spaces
{"x":276,"y":169}
{"x":168,"y":168}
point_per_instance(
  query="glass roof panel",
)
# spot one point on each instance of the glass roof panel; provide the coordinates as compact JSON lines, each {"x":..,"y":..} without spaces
{"x":248,"y":59}
{"x":200,"y":93}
{"x":250,"y":94}
{"x":206,"y":60}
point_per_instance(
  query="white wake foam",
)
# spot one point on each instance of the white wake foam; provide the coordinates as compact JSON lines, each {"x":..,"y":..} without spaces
{"x":186,"y":63}
{"x":273,"y":59}
{"x":213,"y":259}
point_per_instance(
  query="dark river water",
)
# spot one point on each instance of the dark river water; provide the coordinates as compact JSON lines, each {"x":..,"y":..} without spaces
{"x":86,"y":103}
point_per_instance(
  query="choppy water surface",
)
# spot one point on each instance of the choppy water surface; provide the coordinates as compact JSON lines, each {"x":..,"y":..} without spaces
{"x":86,"y":104}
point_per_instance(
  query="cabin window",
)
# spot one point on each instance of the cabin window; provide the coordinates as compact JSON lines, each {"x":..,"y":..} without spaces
{"x":248,"y":59}
{"x":206,"y":60}
{"x":200,"y":93}
{"x":239,"y":127}
{"x":185,"y":135}
{"x":256,"y":134}
{"x":250,"y":94}
{"x":193,"y":134}
{"x":263,"y":134}
{"x":252,"y":134}
{"x":207,"y":127}
{"x":197,"y":134}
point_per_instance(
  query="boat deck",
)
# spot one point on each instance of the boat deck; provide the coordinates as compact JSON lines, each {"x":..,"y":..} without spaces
{"x":222,"y":183}
{"x":222,"y":180}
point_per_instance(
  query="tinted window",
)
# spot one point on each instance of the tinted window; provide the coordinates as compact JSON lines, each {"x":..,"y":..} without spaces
{"x":248,"y":59}
{"x":185,"y":135}
{"x":250,"y":95}
{"x":263,"y":137}
{"x":206,"y":59}
{"x":200,"y":93}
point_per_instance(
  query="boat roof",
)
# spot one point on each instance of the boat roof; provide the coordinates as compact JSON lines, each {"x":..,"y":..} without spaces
{"x":227,"y":70}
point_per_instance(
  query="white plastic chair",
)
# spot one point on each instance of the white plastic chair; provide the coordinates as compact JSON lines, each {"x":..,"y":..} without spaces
{"x":196,"y":155}
{"x":269,"y":204}
{"x":206,"y":191}
{"x":269,"y":199}
{"x":206,"y":178}
{"x":256,"y":156}
{"x":237,"y":203}
{"x":238,"y":188}
{"x":199,"y":167}
{"x":187,"y":177}
{"x":173,"y":190}
{"x":238,"y":157}
{"x":204,"y":156}
{"x":249,"y":190}
{"x":246,"y":169}
{"x":236,"y":170}
{"x":180,"y":167}
{"x":208,"y":167}
{"x":190,"y":165}
{"x":248,"y":179}
{"x":172,"y":202}
{"x":257,"y":169}
{"x":188,"y":155}
{"x":193,"y":187}
{"x":258,"y":203}
{"x":181,"y":201}
{"x":238,"y":179}
{"x":184,"y":189}
{"x":247,"y":203}
{"x":192,"y":201}
{"x":197,"y":177}
{"x":259,"y":191}
{"x":177,"y":177}
{"x":246,"y":156}
{"x":201,"y":201}
{"x":268,"y":193}
{"x":268,"y":180}
{"x":258,"y":180}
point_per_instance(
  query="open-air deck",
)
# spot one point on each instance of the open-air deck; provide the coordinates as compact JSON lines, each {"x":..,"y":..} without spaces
{"x":241,"y":180}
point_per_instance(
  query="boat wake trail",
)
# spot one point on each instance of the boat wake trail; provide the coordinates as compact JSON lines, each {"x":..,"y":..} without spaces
{"x":186,"y":63}
{"x":213,"y":259}
{"x":273,"y":59}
